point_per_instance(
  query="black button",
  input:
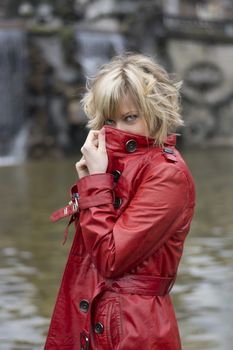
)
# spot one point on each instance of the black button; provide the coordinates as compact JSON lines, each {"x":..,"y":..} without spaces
{"x":117,"y":202}
{"x":116,"y":174}
{"x":84,"y":305}
{"x":131,"y":146}
{"x":99,"y":328}
{"x":168,"y":150}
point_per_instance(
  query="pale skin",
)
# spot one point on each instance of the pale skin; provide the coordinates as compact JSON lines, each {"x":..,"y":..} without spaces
{"x":95,"y":159}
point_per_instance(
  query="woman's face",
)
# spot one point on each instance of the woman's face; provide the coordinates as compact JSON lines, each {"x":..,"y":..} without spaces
{"x":128,"y":118}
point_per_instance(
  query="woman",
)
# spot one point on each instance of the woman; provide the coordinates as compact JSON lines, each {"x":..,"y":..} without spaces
{"x":132,"y":207}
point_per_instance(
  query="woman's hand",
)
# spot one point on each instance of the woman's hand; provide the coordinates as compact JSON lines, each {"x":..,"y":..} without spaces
{"x":95,"y":158}
{"x":81,"y":168}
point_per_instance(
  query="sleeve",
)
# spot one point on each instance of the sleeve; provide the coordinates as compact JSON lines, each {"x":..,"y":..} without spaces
{"x":117,"y":244}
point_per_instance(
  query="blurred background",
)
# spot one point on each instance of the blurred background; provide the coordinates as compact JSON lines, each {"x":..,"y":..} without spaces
{"x":47,"y":48}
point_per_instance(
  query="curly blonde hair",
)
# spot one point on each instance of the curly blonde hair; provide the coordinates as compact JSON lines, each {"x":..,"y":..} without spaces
{"x":155,"y":94}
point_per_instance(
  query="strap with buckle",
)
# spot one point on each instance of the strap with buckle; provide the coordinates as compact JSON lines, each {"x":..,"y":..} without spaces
{"x":70,"y":209}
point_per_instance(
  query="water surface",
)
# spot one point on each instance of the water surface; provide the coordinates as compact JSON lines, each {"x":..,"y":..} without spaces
{"x":32,"y":256}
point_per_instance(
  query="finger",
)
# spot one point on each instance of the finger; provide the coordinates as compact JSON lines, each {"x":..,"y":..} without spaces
{"x":92,"y":137}
{"x":81,"y":163}
{"x":101,"y":139}
{"x":91,"y":140}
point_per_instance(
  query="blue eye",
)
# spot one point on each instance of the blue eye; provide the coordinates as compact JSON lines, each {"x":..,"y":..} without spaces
{"x":109,"y":122}
{"x":131,"y":118}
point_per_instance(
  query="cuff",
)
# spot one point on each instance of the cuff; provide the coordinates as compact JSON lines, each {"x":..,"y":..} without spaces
{"x":95,"y":190}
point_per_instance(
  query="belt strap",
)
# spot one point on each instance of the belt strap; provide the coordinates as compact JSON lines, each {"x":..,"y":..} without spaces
{"x":142,"y":285}
{"x":72,"y":210}
{"x":136,"y":284}
{"x":61,"y":213}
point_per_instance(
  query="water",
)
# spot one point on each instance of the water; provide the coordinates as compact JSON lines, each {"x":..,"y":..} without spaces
{"x":96,"y":47}
{"x":13,"y":74}
{"x":32,"y":256}
{"x":17,"y":150}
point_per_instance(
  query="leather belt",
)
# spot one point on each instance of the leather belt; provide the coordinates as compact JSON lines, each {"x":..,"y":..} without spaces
{"x":129,"y":284}
{"x":142,"y":285}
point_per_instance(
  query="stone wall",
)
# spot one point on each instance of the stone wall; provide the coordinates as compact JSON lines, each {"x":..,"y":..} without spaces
{"x":207,"y":90}
{"x":57,"y":123}
{"x":63,"y":49}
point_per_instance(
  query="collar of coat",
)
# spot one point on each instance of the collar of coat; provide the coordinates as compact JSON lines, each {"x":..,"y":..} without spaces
{"x":117,"y":141}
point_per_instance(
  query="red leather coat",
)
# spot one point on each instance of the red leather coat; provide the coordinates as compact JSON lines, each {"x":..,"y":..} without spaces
{"x":130,"y":231}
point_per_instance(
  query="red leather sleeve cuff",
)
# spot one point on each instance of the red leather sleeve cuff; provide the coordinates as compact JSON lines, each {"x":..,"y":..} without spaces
{"x":95,"y":190}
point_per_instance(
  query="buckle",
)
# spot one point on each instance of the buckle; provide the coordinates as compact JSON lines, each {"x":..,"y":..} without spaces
{"x":84,"y":341}
{"x":74,"y":201}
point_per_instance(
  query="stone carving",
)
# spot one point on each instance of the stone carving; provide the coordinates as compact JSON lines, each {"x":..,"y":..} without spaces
{"x":207,"y":106}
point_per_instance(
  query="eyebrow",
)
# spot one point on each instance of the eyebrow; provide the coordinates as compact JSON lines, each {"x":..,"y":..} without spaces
{"x":130,"y":112}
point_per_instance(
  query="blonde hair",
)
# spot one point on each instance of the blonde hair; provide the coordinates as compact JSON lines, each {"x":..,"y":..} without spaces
{"x":155,"y":94}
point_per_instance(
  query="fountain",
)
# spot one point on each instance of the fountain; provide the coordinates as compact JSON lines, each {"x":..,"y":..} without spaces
{"x":95,"y":47}
{"x":12,"y":95}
